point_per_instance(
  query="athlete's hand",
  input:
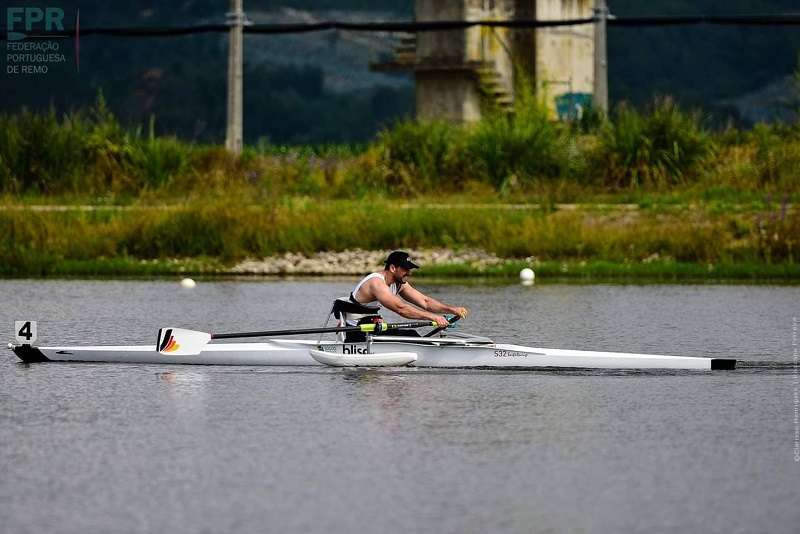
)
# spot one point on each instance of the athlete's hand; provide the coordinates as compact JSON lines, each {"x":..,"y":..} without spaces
{"x":441,"y":322}
{"x":461,"y":311}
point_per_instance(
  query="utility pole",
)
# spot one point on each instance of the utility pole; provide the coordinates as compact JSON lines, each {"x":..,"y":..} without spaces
{"x":600,"y":98}
{"x":233,"y":134}
{"x":523,"y":47}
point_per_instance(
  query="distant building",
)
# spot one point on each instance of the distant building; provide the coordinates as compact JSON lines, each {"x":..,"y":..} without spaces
{"x":459,"y":73}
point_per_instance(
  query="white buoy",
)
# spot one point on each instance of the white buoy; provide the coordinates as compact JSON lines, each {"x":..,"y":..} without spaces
{"x":188,"y":283}
{"x":527,"y":275}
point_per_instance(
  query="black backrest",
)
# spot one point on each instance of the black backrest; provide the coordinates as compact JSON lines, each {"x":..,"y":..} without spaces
{"x":343,"y":305}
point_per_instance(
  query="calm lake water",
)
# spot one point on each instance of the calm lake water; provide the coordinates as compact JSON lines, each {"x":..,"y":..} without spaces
{"x":146,"y":448}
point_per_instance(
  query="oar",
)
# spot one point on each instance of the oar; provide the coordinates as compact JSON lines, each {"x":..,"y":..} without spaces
{"x":183,"y":342}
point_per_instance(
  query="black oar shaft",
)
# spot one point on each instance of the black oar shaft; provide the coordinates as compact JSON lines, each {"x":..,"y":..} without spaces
{"x":267,"y":333}
{"x":333,"y":329}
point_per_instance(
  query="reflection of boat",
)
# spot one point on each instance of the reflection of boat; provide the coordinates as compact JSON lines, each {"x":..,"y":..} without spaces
{"x":452,"y":350}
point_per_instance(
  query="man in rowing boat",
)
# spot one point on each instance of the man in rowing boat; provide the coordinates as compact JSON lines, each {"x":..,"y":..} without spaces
{"x":390,"y":288}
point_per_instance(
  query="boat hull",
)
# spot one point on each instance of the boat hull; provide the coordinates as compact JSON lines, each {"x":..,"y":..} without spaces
{"x":430,"y":353}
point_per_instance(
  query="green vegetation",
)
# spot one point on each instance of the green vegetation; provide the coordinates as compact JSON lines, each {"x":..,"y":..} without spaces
{"x":606,"y":270}
{"x":664,"y":152}
{"x":229,"y":229}
{"x":664,"y":147}
{"x":703,"y":203}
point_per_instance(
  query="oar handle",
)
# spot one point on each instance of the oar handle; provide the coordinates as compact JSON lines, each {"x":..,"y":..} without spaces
{"x":375,"y":328}
{"x":435,"y":331}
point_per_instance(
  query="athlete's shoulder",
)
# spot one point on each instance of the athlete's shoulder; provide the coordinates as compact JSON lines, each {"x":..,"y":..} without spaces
{"x":375,"y":281}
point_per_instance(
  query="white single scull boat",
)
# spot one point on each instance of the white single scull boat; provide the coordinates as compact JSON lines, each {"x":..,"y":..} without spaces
{"x":451,"y":350}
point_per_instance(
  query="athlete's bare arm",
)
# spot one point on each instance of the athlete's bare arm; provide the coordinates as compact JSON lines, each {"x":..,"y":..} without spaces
{"x":378,"y":290}
{"x":430,"y":304}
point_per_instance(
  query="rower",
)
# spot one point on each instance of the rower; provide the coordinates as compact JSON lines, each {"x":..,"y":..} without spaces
{"x":390,"y":288}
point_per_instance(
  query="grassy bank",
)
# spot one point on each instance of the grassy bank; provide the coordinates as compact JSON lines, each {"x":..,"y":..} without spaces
{"x":507,"y":272}
{"x":216,"y":234}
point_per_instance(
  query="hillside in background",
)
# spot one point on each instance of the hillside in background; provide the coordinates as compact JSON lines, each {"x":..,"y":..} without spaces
{"x":312,"y":88}
{"x":709,"y":67}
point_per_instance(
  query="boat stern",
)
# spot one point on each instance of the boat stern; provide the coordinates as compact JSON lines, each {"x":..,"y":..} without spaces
{"x":723,"y":363}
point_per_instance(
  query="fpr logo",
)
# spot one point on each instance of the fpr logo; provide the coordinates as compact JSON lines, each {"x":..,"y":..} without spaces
{"x":17,"y":18}
{"x":34,"y":37}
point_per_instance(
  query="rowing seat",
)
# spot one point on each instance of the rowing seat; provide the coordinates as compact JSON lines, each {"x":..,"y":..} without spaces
{"x":349,"y":313}
{"x":346,"y":312}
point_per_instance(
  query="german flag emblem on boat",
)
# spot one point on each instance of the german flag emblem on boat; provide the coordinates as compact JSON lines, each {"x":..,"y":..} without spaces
{"x":166,"y":342}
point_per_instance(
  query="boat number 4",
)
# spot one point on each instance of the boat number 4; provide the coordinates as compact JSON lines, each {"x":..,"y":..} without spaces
{"x":25,"y":331}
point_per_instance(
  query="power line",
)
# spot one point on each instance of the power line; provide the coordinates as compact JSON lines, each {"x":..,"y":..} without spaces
{"x":428,"y":26}
{"x":717,"y":20}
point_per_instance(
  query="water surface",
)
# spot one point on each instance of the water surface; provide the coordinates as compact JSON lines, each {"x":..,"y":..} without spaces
{"x":143,"y":448}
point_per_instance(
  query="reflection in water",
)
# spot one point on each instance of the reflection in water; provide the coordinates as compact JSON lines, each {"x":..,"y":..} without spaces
{"x":186,"y":391}
{"x":169,"y":376}
{"x":422,"y":407}
{"x":190,"y":379}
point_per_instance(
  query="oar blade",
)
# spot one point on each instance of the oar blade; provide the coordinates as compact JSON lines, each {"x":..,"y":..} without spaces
{"x":181,"y":342}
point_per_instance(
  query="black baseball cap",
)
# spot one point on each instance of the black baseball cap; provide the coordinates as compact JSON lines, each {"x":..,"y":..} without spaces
{"x":399,"y":258}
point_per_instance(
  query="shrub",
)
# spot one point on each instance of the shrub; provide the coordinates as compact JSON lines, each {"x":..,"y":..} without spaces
{"x":777,"y":154}
{"x":39,"y":155}
{"x":516,"y":148}
{"x":777,"y":234}
{"x":418,"y":155}
{"x":664,"y":147}
{"x":156,"y":160}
